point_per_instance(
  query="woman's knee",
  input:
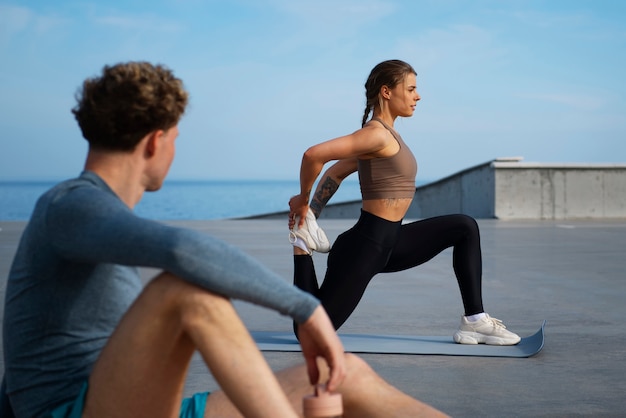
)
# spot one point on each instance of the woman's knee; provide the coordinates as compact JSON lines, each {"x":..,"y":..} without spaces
{"x":467,"y":222}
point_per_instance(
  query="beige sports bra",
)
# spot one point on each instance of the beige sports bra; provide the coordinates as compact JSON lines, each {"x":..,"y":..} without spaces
{"x":388,"y":177}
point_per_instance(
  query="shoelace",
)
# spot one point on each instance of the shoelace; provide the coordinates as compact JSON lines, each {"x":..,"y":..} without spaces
{"x":496,"y":322}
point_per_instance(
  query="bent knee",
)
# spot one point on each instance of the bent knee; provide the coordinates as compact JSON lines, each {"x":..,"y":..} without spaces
{"x":190,"y":301}
{"x":355,"y":363}
{"x":165,"y":282}
{"x":467,"y":222}
{"x":174,"y":286}
{"x":358,"y":372}
{"x":355,"y":366}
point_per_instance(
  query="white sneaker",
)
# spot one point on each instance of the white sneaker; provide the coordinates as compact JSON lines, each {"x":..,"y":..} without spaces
{"x":312,"y":235}
{"x":486,"y":330}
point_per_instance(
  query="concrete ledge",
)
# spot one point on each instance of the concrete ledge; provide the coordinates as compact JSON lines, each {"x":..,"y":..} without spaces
{"x":560,"y":191}
{"x":507,"y":188}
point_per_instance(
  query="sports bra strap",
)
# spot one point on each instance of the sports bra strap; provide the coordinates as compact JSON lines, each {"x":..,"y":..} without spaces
{"x":389,"y":128}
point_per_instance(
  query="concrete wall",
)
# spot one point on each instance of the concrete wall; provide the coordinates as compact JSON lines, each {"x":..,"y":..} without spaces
{"x":559,"y":191}
{"x":507,"y":188}
{"x":471,"y":191}
{"x":510,"y":189}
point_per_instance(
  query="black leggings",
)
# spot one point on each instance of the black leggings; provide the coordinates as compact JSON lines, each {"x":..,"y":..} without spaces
{"x":374,"y":245}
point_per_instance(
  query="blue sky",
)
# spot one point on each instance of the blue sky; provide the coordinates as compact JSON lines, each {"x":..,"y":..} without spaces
{"x":268,"y":78}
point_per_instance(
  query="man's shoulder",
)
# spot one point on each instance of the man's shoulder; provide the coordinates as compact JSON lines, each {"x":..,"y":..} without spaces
{"x":76,"y":194}
{"x":86,"y":181}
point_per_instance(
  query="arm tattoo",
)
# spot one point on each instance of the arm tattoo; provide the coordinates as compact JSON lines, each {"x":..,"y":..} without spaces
{"x":325,"y":191}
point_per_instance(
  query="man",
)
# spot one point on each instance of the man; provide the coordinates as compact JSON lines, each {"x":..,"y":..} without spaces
{"x":83,"y":338}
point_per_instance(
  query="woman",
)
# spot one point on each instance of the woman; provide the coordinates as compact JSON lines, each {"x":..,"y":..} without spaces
{"x":379,"y":242}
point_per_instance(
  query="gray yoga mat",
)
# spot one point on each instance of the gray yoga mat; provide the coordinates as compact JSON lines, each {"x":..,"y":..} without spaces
{"x":406,"y":344}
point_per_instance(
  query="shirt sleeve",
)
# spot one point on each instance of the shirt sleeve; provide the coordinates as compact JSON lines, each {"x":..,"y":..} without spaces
{"x":90,"y":225}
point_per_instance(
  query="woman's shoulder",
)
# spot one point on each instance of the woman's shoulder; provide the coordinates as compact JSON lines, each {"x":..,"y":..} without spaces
{"x":373,"y":128}
{"x":372,"y":139}
{"x":376,"y":131}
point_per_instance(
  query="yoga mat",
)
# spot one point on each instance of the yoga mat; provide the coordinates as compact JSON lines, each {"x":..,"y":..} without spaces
{"x":405,"y":344}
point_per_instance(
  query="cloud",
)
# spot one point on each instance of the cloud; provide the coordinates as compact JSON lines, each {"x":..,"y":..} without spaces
{"x":575,"y":101}
{"x":143,"y":22}
{"x":454,"y":46}
{"x":13,"y":19}
{"x":330,"y":11}
{"x":331,"y":19}
{"x":583,"y":25}
{"x":550,"y":20}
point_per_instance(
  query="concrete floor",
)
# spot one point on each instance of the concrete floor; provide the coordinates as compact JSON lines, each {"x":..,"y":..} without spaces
{"x":570,"y":273}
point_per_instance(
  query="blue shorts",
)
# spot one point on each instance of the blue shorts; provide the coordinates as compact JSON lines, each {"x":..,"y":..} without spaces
{"x":190,"y":408}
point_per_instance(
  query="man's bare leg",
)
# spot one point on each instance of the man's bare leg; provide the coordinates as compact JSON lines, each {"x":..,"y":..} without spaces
{"x":142,"y":369}
{"x":364,"y":393}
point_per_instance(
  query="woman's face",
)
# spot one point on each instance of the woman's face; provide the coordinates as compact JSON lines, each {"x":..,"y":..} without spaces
{"x":403,"y":98}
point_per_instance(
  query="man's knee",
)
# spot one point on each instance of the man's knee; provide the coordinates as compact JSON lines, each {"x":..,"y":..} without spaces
{"x":175,"y":287}
{"x":190,"y":302}
{"x":357,"y":367}
{"x":356,"y":364}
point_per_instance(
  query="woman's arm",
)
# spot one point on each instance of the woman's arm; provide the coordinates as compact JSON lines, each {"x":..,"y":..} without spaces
{"x":366,"y":141}
{"x":330,"y":182}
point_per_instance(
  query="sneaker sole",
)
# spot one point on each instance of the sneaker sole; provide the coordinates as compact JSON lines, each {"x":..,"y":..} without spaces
{"x":465,"y":337}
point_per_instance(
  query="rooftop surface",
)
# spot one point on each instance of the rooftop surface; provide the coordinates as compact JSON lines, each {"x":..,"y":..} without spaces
{"x":570,"y":273}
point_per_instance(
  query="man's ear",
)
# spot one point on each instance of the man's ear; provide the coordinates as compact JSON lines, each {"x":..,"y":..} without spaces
{"x":152,"y":142}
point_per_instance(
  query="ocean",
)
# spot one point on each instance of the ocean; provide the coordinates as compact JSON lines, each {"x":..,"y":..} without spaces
{"x":184,"y":200}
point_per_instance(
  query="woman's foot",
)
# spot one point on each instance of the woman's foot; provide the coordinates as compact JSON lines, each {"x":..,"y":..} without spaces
{"x":486,"y":330}
{"x":309,"y":237}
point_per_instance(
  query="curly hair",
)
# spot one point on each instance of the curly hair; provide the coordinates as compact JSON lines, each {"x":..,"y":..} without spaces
{"x":388,"y":73}
{"x":126,"y":102}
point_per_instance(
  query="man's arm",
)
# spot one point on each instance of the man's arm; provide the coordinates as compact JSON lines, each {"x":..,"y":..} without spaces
{"x":92,"y":226}
{"x":329,"y":183}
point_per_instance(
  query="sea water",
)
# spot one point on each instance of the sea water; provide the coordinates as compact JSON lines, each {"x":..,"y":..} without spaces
{"x":184,"y":200}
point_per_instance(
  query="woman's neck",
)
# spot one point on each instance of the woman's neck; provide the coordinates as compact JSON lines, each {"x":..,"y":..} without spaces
{"x":385,"y":117}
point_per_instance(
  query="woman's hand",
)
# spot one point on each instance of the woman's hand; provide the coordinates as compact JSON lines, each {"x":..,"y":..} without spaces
{"x":298,"y":207}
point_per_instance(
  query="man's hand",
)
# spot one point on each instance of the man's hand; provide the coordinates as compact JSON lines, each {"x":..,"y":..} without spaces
{"x":318,"y":338}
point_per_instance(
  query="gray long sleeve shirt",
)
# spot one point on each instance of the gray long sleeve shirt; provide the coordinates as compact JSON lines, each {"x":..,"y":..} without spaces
{"x":75,"y":275}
